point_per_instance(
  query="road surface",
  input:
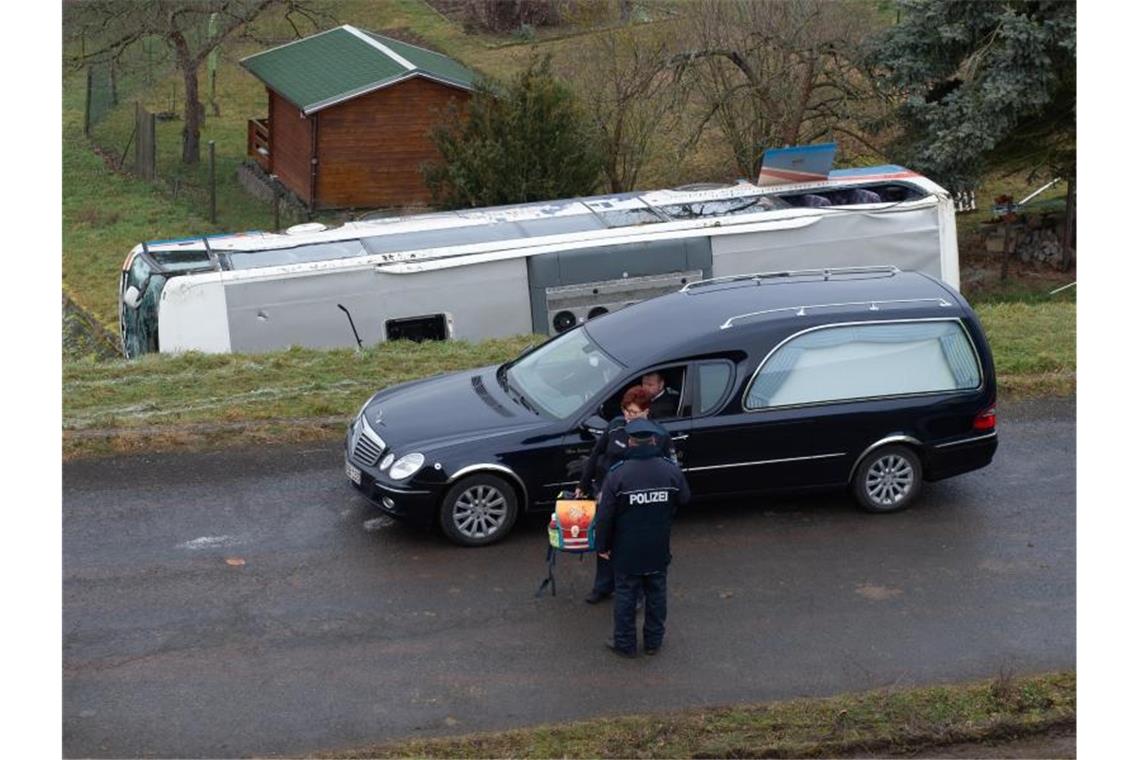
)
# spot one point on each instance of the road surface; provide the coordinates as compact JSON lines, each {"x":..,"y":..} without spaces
{"x":249,"y":602}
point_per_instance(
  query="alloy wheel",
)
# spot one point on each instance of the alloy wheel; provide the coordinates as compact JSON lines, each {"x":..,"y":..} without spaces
{"x":889,"y":480}
{"x":480,"y":511}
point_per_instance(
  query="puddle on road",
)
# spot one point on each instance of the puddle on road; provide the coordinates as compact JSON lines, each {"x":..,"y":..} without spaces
{"x":378,"y":523}
{"x":877,"y":593}
{"x":211,"y":542}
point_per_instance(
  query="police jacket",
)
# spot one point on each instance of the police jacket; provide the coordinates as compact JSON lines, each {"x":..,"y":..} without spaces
{"x":611,"y":448}
{"x":635,"y":513}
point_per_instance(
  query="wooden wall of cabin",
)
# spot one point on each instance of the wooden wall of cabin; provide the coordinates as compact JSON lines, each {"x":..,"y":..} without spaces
{"x":370,"y":148}
{"x":290,"y":146}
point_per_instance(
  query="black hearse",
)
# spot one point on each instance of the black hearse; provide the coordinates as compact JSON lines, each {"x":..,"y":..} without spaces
{"x":865,"y":378}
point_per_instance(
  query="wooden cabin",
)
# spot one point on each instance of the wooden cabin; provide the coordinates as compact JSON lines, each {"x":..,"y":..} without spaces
{"x":349,"y":117}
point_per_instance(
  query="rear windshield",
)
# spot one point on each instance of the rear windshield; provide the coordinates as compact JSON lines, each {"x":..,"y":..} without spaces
{"x":847,"y":362}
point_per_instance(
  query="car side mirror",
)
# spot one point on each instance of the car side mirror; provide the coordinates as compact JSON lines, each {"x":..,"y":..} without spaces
{"x":595,"y":424}
{"x":132,"y":297}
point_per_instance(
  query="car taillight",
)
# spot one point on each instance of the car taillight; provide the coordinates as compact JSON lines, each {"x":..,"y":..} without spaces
{"x":986,"y":420}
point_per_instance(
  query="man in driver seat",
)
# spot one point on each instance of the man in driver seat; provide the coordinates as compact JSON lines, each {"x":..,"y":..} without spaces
{"x":663,"y":400}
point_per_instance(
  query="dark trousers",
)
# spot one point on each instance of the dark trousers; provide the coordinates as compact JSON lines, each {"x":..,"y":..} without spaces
{"x":626,"y":589}
{"x":604,"y":570}
{"x":604,"y":577}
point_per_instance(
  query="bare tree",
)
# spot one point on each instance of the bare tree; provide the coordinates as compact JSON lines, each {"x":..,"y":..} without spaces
{"x":768,"y":73}
{"x":625,"y":85}
{"x":111,"y":28}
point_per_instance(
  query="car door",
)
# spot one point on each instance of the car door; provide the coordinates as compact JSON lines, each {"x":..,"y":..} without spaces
{"x":732,"y":450}
{"x":579,"y":442}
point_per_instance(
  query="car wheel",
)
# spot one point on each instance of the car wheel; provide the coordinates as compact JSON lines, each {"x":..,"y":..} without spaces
{"x":888,"y":479}
{"x":478,"y":510}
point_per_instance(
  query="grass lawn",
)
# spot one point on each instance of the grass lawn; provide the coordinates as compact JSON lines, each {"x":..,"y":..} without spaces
{"x":889,"y":721}
{"x":1034,"y":346}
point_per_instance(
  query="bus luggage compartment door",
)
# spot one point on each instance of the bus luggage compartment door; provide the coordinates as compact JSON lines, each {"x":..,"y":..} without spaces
{"x":569,"y":287}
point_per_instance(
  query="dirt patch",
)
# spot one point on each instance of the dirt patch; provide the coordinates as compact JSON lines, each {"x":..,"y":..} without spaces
{"x":980,"y":274}
{"x":981,"y":278}
{"x":83,"y":337}
{"x":1060,"y":743}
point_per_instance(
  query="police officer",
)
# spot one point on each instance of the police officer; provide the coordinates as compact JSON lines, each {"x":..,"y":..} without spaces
{"x":635,"y":517}
{"x":609,"y":449}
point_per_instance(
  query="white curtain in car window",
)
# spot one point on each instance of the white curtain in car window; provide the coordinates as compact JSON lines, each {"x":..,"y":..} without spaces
{"x":859,"y":361}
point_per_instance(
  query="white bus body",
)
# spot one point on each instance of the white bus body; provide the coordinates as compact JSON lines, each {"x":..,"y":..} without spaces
{"x":538,"y":267}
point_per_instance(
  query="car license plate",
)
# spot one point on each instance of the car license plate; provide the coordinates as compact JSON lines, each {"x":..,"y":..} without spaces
{"x":353,"y":473}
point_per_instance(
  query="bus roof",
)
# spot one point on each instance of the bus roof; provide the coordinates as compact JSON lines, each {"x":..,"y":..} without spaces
{"x":625,"y":214}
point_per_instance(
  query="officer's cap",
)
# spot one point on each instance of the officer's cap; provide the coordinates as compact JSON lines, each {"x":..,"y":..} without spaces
{"x":641,"y":429}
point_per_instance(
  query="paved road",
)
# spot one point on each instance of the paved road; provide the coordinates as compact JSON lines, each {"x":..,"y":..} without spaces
{"x":250,"y":603}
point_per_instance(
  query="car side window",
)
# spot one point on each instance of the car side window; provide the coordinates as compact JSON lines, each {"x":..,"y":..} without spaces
{"x":668,"y":404}
{"x":713,"y":379}
{"x":845,"y":362}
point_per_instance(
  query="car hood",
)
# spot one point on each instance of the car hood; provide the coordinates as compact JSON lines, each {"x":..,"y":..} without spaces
{"x":447,"y":410}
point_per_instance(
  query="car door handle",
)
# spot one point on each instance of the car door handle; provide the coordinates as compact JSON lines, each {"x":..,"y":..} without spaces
{"x":680,"y":437}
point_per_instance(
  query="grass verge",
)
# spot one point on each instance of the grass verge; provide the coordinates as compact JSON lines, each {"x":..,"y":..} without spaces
{"x":1034,"y":347}
{"x":192,"y":401}
{"x":884,"y":721}
{"x":188,"y":401}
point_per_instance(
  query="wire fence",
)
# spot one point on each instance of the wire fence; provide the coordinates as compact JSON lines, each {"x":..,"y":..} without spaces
{"x":133,"y":109}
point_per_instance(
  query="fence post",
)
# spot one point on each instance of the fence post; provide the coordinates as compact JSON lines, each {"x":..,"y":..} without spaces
{"x":87,"y":106}
{"x":213,"y":186}
{"x":146,"y":145}
{"x":1069,"y":225}
{"x":276,"y":206}
{"x":153,"y":148}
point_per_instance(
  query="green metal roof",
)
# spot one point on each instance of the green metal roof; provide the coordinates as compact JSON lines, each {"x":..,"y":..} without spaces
{"x":342,"y":63}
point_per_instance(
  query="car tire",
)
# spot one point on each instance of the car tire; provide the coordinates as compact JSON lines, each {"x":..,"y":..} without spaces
{"x":479,"y":510}
{"x":888,"y":479}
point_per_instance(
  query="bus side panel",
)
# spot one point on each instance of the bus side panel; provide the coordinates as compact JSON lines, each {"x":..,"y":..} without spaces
{"x":909,"y":239}
{"x":192,"y":315}
{"x":267,"y":313}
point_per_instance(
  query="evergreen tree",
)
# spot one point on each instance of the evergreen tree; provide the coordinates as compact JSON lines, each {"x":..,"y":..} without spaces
{"x":984,"y":86}
{"x":522,"y":141}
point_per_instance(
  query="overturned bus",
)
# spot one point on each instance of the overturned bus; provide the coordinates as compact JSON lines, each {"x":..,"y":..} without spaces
{"x":535,"y":267}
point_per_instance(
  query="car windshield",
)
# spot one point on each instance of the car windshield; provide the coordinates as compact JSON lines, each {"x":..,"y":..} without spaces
{"x":562,"y":375}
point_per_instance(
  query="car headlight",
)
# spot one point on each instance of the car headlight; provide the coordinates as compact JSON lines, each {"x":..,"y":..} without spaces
{"x":406,"y":466}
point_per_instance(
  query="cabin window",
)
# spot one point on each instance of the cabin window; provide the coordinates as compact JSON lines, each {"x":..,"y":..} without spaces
{"x":418,"y":329}
{"x":847,"y":362}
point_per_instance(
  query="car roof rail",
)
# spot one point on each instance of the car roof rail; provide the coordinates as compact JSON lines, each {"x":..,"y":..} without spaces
{"x":826,"y":273}
{"x":801,"y":311}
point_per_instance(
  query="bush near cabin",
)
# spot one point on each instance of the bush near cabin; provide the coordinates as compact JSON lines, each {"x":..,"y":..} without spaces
{"x":519,"y":142}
